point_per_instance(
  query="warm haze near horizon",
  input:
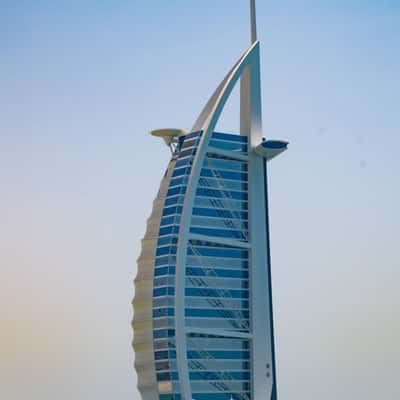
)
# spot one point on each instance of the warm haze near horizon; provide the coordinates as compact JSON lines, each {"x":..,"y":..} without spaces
{"x":81,"y":85}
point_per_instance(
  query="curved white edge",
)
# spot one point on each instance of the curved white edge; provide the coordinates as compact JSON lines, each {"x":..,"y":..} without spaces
{"x":210,"y":115}
{"x":205,"y":113}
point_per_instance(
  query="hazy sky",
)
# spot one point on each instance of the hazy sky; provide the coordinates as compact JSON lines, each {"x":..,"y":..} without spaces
{"x":81,"y":83}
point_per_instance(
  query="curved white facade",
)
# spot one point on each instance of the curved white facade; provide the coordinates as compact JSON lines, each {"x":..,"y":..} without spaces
{"x":143,"y":302}
{"x":203,"y":319}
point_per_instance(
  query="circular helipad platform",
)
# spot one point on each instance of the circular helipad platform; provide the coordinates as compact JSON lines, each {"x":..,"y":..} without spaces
{"x":169,"y":135}
{"x":167,"y":132}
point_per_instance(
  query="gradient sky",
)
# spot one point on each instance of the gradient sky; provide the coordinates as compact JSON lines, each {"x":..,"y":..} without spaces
{"x":81,"y":84}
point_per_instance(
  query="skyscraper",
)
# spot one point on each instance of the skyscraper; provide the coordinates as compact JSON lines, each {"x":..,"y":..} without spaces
{"x":203,"y":323}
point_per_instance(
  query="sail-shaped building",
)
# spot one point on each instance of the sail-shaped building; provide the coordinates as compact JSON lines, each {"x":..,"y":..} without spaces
{"x":203,"y":322}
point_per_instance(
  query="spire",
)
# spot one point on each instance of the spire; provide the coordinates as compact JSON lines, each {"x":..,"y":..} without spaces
{"x":250,"y":88}
{"x":253,"y":21}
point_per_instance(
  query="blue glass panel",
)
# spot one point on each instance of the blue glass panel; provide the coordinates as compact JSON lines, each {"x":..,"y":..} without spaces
{"x":164,"y":271}
{"x":159,"y":292}
{"x":230,"y":136}
{"x":189,"y":152}
{"x":223,"y":174}
{"x":161,"y":251}
{"x":215,"y":376}
{"x":222,"y":273}
{"x":178,"y":181}
{"x":163,"y":302}
{"x":208,"y":202}
{"x":172,"y":210}
{"x":218,"y":252}
{"x":163,"y":333}
{"x":164,"y":291}
{"x":163,"y":312}
{"x":223,"y":184}
{"x":169,"y":260}
{"x":182,"y":171}
{"x":183,"y":162}
{"x":215,"y":313}
{"x":243,"y":342}
{"x":161,"y":281}
{"x":209,"y":212}
{"x":193,"y":134}
{"x":164,"y":281}
{"x":168,"y":230}
{"x":161,"y":355}
{"x":225,"y":194}
{"x":218,"y":262}
{"x":204,"y":292}
{"x":167,"y":240}
{"x":219,"y":144}
{"x":176,"y":191}
{"x":161,"y":271}
{"x":197,"y":302}
{"x":219,"y":223}
{"x":220,"y":233}
{"x":162,"y":343}
{"x":174,"y":200}
{"x":174,"y":376}
{"x":169,"y":397}
{"x":209,"y":243}
{"x":173,"y":397}
{"x":190,"y":143}
{"x":175,"y":219}
{"x":220,"y":354}
{"x":215,"y":162}
{"x":211,"y":281}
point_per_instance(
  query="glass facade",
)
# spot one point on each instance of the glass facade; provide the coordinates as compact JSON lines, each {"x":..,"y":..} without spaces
{"x":216,"y":273}
{"x":165,"y":268}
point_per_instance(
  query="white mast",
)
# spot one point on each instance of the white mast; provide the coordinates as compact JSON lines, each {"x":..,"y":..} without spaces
{"x":253,"y":21}
{"x":250,"y":89}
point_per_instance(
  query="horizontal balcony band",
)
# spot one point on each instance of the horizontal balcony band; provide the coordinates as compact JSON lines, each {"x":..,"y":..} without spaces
{"x":228,"y":153}
{"x":219,"y":332}
{"x":220,"y":240}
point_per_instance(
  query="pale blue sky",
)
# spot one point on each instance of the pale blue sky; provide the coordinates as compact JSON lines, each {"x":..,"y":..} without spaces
{"x":81,"y":83}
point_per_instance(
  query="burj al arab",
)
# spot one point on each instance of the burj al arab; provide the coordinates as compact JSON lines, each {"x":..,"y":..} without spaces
{"x":203,"y":315}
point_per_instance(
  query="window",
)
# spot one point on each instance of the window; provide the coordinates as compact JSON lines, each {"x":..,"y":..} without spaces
{"x":172,"y":210}
{"x":228,"y":355}
{"x":232,"y":146}
{"x":230,"y":137}
{"x":221,"y":213}
{"x":181,"y":171}
{"x":184,"y":162}
{"x":204,"y":292}
{"x":218,"y":174}
{"x":226,"y":233}
{"x":215,"y":161}
{"x":215,"y":313}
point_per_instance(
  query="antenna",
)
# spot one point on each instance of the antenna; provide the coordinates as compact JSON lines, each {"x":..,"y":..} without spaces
{"x":253,"y":21}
